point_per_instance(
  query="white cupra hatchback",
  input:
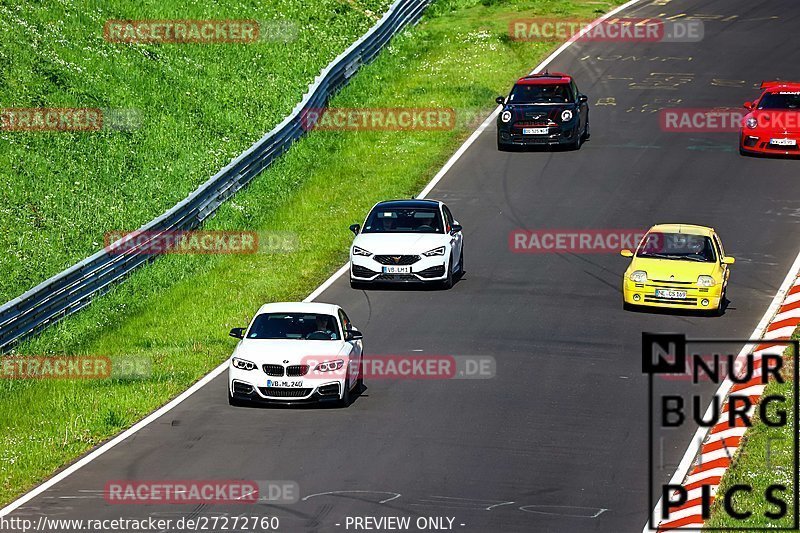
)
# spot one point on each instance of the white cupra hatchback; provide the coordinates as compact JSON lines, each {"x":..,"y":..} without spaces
{"x":407,"y":241}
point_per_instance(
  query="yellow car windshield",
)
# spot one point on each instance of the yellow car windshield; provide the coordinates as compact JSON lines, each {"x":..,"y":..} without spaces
{"x":678,"y":246}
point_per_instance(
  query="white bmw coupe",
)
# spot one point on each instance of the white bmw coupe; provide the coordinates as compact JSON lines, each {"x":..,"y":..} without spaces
{"x":296,"y":353}
{"x":407,"y":241}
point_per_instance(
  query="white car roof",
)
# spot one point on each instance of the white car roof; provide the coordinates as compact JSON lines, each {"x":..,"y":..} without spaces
{"x":299,"y":307}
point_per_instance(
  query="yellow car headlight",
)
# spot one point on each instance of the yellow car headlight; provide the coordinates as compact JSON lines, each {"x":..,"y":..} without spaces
{"x":706,"y":281}
{"x":638,"y":276}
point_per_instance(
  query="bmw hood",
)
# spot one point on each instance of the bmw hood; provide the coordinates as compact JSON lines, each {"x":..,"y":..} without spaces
{"x":276,"y":351}
{"x":400,"y":243}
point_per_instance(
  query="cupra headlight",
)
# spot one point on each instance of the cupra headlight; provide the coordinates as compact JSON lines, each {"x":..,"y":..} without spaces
{"x":434,"y":252}
{"x":361,"y":251}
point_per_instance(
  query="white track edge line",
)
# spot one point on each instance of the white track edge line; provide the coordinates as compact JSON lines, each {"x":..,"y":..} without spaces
{"x":319,"y":290}
{"x":722,"y":392}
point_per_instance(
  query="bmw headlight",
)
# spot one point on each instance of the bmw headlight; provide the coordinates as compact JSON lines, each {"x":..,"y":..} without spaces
{"x":639,"y":276}
{"x":243,"y":364}
{"x":361,"y":251}
{"x":434,"y":252}
{"x":751,"y":123}
{"x":566,"y":115}
{"x":505,"y":116}
{"x":706,"y":281}
{"x":330,"y":366}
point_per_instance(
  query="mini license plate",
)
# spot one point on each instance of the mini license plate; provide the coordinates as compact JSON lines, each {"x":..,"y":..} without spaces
{"x":534,"y":131}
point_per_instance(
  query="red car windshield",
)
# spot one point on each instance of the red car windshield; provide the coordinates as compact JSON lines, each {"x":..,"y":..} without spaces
{"x":780,"y":100}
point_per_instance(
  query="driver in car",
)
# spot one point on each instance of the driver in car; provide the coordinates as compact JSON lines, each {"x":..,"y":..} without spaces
{"x":323,"y":324}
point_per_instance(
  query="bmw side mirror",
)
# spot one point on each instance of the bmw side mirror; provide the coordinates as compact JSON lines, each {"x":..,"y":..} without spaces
{"x":353,"y":335}
{"x":748,"y":105}
{"x":355,"y":228}
{"x":455,"y":229}
{"x":583,"y":98}
{"x":237,"y":333}
{"x":500,"y":100}
{"x":626,"y":253}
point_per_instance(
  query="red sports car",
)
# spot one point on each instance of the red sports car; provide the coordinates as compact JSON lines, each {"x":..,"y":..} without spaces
{"x":772,"y":125}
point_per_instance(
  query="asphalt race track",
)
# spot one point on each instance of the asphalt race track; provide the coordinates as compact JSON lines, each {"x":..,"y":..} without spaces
{"x":558,"y":440}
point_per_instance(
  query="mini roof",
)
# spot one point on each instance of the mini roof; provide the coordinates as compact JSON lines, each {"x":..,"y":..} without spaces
{"x":547,"y":78}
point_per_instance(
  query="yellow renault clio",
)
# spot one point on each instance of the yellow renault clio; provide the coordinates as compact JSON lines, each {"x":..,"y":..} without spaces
{"x":680,"y":266}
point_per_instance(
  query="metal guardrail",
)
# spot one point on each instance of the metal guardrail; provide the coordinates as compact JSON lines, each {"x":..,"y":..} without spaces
{"x":75,"y":287}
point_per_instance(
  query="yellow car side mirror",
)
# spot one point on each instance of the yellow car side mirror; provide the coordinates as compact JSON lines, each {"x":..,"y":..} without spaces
{"x":728,"y":260}
{"x":626,"y":253}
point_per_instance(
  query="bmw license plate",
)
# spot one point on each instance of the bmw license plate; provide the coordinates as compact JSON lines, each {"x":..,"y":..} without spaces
{"x":783,"y":142}
{"x":534,"y":131}
{"x":670,"y":294}
{"x":397,"y":270}
{"x":285,"y":383}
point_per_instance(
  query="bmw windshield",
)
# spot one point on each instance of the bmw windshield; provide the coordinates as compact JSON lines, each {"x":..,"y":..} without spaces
{"x":404,"y":220}
{"x":299,"y":326}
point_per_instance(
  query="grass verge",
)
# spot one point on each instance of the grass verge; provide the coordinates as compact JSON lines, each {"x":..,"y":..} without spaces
{"x":766,"y":457}
{"x":175,"y":313}
{"x":193,"y":107}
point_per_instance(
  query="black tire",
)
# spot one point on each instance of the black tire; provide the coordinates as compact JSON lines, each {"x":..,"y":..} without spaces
{"x":628,"y":307}
{"x":357,"y":285}
{"x":345,"y":401}
{"x":447,"y":283}
{"x":576,"y":144}
{"x":586,"y":133}
{"x":720,"y":310}
{"x":501,"y":146}
{"x":360,"y":380}
{"x":461,"y":262}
